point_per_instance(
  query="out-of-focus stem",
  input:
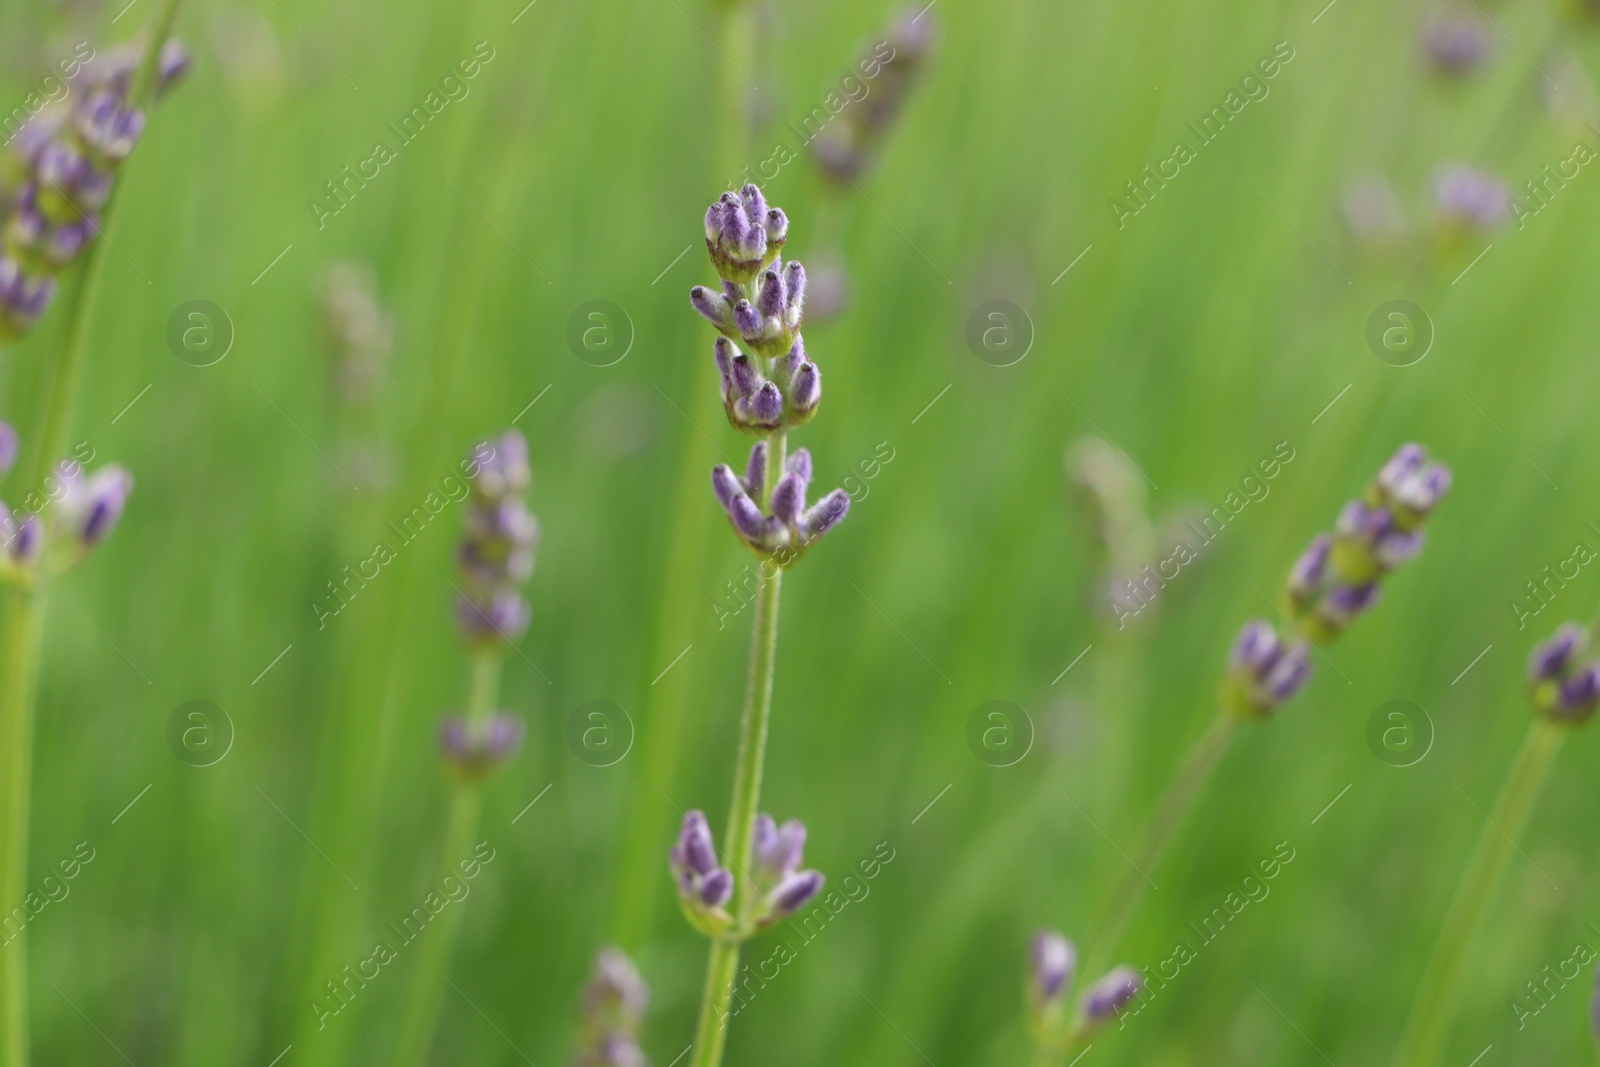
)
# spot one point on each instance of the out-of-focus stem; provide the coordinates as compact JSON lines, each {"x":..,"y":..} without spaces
{"x":712,"y":1030}
{"x":1433,"y":1010}
{"x":422,"y":1014}
{"x":1128,"y":889}
{"x":25,"y":605}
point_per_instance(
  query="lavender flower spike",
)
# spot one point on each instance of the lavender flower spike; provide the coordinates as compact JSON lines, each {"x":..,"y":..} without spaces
{"x":1110,"y":996}
{"x":474,"y":750}
{"x":1337,"y":578}
{"x":496,"y":553}
{"x":1564,"y":684}
{"x":790,"y":528}
{"x":703,"y":886}
{"x":1263,"y":671}
{"x":614,"y":1003}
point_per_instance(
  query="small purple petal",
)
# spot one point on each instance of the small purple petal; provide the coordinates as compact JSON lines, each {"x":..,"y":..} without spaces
{"x":716,"y":888}
{"x":788,"y":498}
{"x":796,"y":891}
{"x":1051,"y":961}
{"x":1109,"y":996}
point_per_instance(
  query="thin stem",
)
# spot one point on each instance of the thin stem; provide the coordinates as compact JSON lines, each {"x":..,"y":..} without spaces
{"x":1434,"y":1008}
{"x":1128,"y":890}
{"x":712,"y":1031}
{"x":427,"y":992}
{"x":25,"y":607}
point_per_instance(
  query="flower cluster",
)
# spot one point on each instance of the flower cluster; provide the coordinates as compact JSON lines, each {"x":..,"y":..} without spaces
{"x":69,"y":157}
{"x":848,"y":146}
{"x":780,"y":886}
{"x":1052,"y":966}
{"x":496,"y":554}
{"x":770,"y":386}
{"x":83,"y":510}
{"x":614,"y":1003}
{"x":1264,"y":671}
{"x":473,"y":749}
{"x":1338,"y":576}
{"x":791,"y":527}
{"x":1564,"y":685}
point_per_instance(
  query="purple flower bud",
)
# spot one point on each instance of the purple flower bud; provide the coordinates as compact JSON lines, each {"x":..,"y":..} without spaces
{"x":807,"y":389}
{"x":794,"y":893}
{"x":788,"y":498}
{"x":755,"y":205}
{"x":1454,"y":42}
{"x":725,"y":484}
{"x":1344,"y":602}
{"x":473,"y":749}
{"x":746,"y":319}
{"x":27,"y":540}
{"x":799,"y":461}
{"x":1306,"y":576}
{"x":794,"y":277}
{"x":694,"y":851}
{"x":1109,"y":996}
{"x":777,"y":226}
{"x":106,"y":493}
{"x":748,"y":520}
{"x":109,"y":127}
{"x":755,"y":478}
{"x":746,"y":379}
{"x":502,"y":466}
{"x":1289,"y":675}
{"x":714,"y":306}
{"x":9,"y":447}
{"x":1580,"y":692}
{"x":1470,"y":198}
{"x":1256,"y":648}
{"x":774,"y":295}
{"x":716,"y":888}
{"x":767,"y":407}
{"x":1551,"y":660}
{"x":173,"y":65}
{"x":825,"y":515}
{"x":616,"y":996}
{"x":501,"y":615}
{"x":1051,"y":961}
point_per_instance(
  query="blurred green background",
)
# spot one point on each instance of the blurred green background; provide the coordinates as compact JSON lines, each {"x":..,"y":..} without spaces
{"x":1220,"y":322}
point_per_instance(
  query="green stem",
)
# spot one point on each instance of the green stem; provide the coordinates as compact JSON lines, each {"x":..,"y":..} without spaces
{"x":427,"y":992}
{"x":712,"y":1031}
{"x":25,"y":607}
{"x":1174,"y":804}
{"x":1433,"y":1010}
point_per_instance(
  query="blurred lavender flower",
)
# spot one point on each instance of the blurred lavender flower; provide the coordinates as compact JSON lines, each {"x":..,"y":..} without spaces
{"x":704,"y":887}
{"x":614,"y":1004}
{"x":1373,"y":213}
{"x":1454,"y":42}
{"x":1264,"y":672}
{"x":66,"y":159}
{"x":1336,"y":578}
{"x":1052,"y":963}
{"x":1109,"y":997}
{"x":776,"y":853}
{"x":496,"y":554}
{"x":357,"y":331}
{"x":1112,"y":494}
{"x":852,"y":141}
{"x":790,"y":527}
{"x":1563,"y":684}
{"x":473,"y":750}
{"x":1469,"y":199}
{"x":90,"y":505}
